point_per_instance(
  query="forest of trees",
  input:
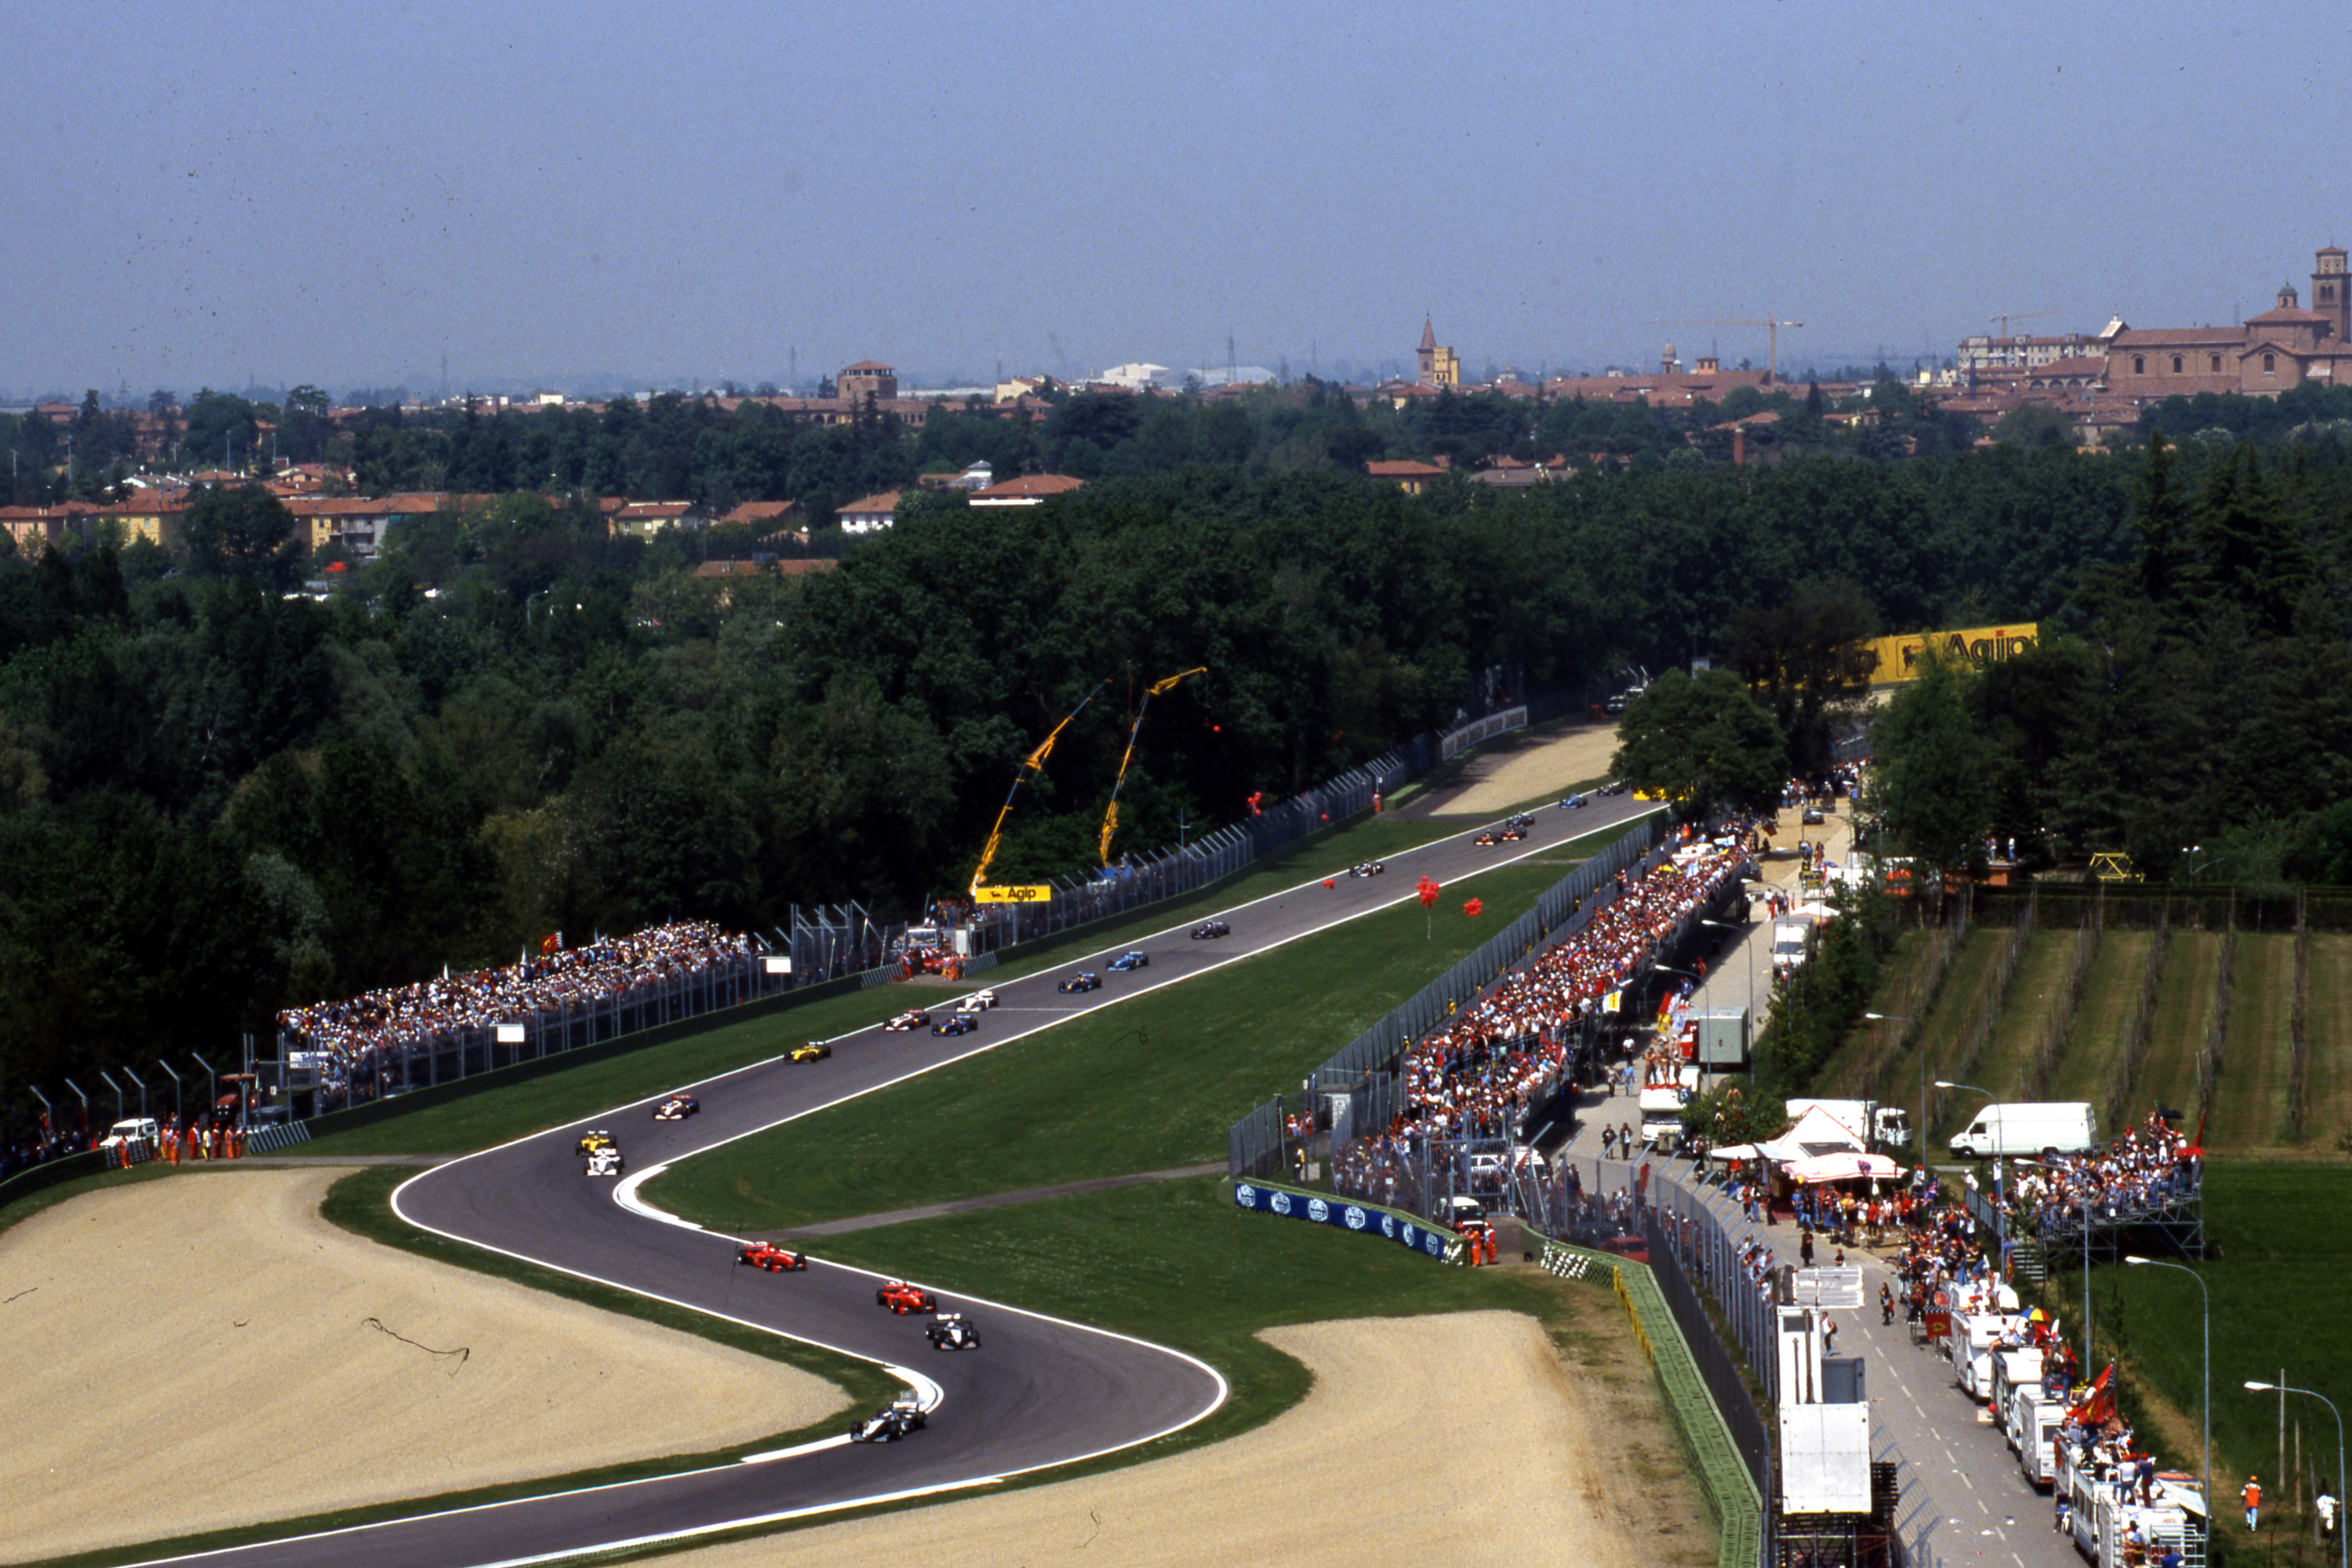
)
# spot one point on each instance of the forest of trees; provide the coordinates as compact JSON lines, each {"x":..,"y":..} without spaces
{"x":215,"y":799}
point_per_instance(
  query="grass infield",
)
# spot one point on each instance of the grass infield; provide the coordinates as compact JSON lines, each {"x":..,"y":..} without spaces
{"x":1147,"y":1085}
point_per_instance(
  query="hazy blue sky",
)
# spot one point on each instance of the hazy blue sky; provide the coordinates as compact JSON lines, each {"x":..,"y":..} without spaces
{"x":199,"y":192}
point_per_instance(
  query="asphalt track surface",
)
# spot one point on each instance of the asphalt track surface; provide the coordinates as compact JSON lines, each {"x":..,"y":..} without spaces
{"x":1039,"y":1392}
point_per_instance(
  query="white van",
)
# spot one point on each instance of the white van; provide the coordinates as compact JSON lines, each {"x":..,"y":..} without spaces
{"x":131,"y":1130}
{"x":1996,"y":1130}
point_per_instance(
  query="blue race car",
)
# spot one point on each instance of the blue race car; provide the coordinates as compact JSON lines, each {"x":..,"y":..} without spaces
{"x":1129,"y":959}
{"x":1085,"y":980}
{"x":956,"y":1023}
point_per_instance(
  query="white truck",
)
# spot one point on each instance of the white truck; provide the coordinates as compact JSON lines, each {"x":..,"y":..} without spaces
{"x":2067,"y":1126}
{"x":1662,"y":1108}
{"x":2032,"y":1425}
{"x":139,"y":1129}
{"x":2100,"y":1521}
{"x":1971,"y":1346}
{"x":1881,"y":1126}
{"x":1792,"y":943}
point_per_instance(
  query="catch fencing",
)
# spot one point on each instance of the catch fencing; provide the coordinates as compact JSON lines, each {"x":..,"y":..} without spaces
{"x":1361,"y":1088}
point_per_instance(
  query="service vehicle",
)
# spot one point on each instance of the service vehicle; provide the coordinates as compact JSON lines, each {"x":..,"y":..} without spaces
{"x":1208,"y":929}
{"x":902,"y":1297}
{"x":1792,"y":943}
{"x":952,"y":1331}
{"x":1661,"y":1105}
{"x":1971,"y":1344}
{"x":1460,"y":1211}
{"x":677,"y":1107}
{"x":813,"y":1051}
{"x":2034,"y":1422}
{"x":2012,"y":1368}
{"x":776,"y":1259}
{"x":892,"y":1422}
{"x":1810,"y":817}
{"x":1631,"y":1247}
{"x":1886,"y":1127}
{"x":2029,"y":1128}
{"x":912,"y":1019}
{"x":978,"y":1002}
{"x":604,"y":1162}
{"x":591,"y":1142}
{"x":1085,"y":980}
{"x":1130,"y":959}
{"x":2099,"y":1519}
{"x":958,"y":1022}
{"x":1367,"y":868}
{"x":132,"y":1130}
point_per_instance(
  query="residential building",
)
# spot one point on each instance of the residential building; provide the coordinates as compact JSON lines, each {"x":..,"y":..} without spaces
{"x":1029,"y":489}
{"x":869,"y":514}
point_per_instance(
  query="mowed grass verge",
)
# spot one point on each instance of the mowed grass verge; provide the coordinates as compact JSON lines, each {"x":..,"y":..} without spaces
{"x":1147,"y":1085}
{"x":509,"y":1107}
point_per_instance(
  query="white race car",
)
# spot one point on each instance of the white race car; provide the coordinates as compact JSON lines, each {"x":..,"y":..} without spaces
{"x":603,"y":1161}
{"x":978,"y":1002}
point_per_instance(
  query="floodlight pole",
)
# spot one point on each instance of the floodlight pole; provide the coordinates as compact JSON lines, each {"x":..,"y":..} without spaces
{"x":2208,"y":1397}
{"x":2342,"y":1537}
{"x":1922,"y":1134}
{"x":117,"y":1087}
{"x":179,"y":1105}
{"x":142,"y":1082}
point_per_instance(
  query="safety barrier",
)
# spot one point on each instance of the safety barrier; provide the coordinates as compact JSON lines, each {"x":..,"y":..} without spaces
{"x":1732,"y":1496}
{"x":1365,"y":1219}
{"x":265,"y":1139}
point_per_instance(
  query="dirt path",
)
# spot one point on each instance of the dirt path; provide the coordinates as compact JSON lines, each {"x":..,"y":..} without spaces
{"x":203,"y":1351}
{"x":1468,"y":1438}
{"x":1520,"y":767}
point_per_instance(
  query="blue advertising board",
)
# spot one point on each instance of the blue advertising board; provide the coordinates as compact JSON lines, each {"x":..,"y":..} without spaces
{"x":1403,"y":1229}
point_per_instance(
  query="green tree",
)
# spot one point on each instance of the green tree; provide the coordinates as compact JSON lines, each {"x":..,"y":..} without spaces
{"x":1799,"y":656}
{"x":243,"y":531}
{"x":1701,"y":742}
{"x":2035,"y":423}
{"x":1928,"y":784}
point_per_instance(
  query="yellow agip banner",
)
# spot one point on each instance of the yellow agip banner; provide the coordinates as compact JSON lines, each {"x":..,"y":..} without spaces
{"x":1897,"y":659}
{"x":1013,"y":893}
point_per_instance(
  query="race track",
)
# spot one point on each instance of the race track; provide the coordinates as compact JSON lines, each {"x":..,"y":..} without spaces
{"x":1039,"y":1392}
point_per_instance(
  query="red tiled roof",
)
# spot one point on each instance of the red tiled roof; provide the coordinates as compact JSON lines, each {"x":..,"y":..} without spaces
{"x":864,"y":364}
{"x":1028,"y":485}
{"x":1404,"y":470}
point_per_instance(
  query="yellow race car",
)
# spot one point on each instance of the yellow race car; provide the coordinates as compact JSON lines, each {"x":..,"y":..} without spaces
{"x":812,"y":1052}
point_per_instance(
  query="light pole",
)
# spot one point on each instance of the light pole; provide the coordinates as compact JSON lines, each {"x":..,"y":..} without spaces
{"x":2342,"y":1537}
{"x":2207,"y":1397}
{"x":1999,"y":1208}
{"x":1747,"y":947}
{"x":1899,"y":1018}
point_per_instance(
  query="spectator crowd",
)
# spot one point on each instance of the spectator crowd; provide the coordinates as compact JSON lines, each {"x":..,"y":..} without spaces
{"x":1477,"y":1076}
{"x":359,"y":1039}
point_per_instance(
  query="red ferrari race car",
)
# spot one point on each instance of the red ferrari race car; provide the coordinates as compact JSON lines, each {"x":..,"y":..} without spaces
{"x":902,"y":1297}
{"x":776,"y":1259}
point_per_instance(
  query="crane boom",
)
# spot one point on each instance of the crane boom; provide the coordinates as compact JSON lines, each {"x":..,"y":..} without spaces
{"x":1033,"y":763}
{"x":1110,"y":818}
{"x":1773,"y":353}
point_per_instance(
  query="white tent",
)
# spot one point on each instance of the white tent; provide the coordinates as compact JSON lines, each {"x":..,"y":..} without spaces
{"x":1816,"y":1133}
{"x":1844,"y":1167}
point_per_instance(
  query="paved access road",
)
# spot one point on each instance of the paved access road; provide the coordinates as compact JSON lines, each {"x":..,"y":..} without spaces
{"x":1039,"y":1392}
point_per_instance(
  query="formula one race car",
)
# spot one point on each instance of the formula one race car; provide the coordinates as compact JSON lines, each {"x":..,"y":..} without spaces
{"x":957,"y":1024}
{"x":1367,"y":868}
{"x":952,"y":1331}
{"x":604,"y":1162}
{"x":1085,"y":980}
{"x":902,"y":1297}
{"x":1207,"y":928}
{"x":814,"y":1051}
{"x":591,"y":1142}
{"x":1129,"y":959}
{"x":1513,"y":832}
{"x":776,"y":1259}
{"x":1487,"y":836}
{"x":912,"y":1019}
{"x":978,"y":1002}
{"x":889,"y":1424}
{"x":677,"y":1107}
{"x":1574,"y":803}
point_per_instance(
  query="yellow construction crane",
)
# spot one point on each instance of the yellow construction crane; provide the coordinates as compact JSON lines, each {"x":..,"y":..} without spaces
{"x":1035,"y":763}
{"x":1772,"y":357}
{"x":1110,"y":818}
{"x":2005,"y":317}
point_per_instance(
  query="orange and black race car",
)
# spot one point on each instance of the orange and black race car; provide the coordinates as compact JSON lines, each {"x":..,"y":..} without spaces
{"x":1488,"y":837}
{"x":776,"y":1259}
{"x":902,"y":1297}
{"x":677,"y":1107}
{"x":1514,"y":832}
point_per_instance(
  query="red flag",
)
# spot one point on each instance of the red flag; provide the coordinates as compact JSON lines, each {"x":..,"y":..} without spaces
{"x":551,"y":943}
{"x":2098,"y":1401}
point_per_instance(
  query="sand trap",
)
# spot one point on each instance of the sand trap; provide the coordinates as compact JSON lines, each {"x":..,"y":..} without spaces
{"x":202,"y":1351}
{"x":1464,"y":1438}
{"x":1515,"y":768}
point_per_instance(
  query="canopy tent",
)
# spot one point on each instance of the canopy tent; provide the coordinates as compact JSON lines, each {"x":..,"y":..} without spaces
{"x":1844,"y":1167}
{"x":1816,"y":1133}
{"x":1733,"y":1151}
